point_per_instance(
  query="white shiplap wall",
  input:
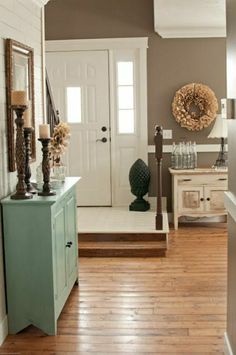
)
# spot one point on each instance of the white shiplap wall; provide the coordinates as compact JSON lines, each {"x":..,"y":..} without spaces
{"x":19,"y":20}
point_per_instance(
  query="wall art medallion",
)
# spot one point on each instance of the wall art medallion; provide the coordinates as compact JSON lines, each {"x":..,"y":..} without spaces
{"x":194,"y":106}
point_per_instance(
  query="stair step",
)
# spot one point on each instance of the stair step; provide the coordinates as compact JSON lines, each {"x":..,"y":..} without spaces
{"x":121,"y":237}
{"x":122,"y":249}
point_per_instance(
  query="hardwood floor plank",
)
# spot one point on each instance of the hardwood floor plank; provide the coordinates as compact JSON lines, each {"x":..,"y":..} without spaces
{"x":172,"y":305}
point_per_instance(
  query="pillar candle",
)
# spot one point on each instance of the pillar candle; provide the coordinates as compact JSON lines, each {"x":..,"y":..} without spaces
{"x":19,"y":98}
{"x":28,"y":116}
{"x":44,"y":131}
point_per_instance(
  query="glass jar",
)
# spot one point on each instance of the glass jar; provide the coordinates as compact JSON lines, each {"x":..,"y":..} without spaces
{"x":58,"y":174}
{"x":39,"y":177}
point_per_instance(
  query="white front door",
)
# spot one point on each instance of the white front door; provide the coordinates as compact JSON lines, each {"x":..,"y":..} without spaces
{"x":91,"y":79}
{"x":80,"y":86}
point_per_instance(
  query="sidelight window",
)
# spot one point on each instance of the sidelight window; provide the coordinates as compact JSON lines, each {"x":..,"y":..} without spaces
{"x":125,"y":94}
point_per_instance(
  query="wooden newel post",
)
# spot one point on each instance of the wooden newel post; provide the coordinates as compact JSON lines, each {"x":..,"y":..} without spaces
{"x":158,"y":139}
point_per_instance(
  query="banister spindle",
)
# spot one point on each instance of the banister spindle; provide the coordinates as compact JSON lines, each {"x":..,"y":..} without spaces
{"x":158,"y":139}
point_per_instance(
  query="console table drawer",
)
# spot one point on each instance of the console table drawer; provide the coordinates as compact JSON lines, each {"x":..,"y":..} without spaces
{"x":216,"y":180}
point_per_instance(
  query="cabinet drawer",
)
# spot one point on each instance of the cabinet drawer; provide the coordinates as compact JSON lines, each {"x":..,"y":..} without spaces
{"x":216,"y":180}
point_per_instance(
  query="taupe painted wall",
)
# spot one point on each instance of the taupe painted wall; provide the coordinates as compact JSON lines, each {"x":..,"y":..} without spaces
{"x":172,"y":63}
{"x":231,"y":92}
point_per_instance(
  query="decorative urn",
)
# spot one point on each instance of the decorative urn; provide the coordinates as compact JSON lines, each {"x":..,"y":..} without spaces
{"x":139,"y":178}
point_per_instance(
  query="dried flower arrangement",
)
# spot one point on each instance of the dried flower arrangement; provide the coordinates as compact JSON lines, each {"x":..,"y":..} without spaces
{"x":195,"y":106}
{"x":59,"y":141}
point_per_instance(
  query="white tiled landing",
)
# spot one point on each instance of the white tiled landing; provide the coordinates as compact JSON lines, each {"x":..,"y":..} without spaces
{"x":117,"y":220}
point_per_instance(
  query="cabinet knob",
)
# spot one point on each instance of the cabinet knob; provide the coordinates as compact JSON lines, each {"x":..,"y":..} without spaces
{"x":201,"y":199}
{"x":68,"y":244}
{"x":222,"y":179}
{"x":208,"y":198}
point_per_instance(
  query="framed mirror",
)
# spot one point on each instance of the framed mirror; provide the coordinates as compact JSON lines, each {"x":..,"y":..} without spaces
{"x":19,"y":77}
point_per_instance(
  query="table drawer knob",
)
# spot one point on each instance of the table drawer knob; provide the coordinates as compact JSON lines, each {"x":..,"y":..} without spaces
{"x":187,"y":179}
{"x":201,"y":199}
{"x":208,"y":198}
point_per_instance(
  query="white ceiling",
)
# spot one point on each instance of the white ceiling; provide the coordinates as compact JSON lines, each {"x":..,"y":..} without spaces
{"x":190,"y":18}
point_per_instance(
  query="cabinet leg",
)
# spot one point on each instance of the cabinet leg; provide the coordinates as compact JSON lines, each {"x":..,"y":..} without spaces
{"x":175,"y":222}
{"x":77,"y":282}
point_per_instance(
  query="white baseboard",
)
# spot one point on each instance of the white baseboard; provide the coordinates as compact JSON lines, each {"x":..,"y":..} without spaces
{"x":227,"y":348}
{"x":186,"y":219}
{"x":3,"y":329}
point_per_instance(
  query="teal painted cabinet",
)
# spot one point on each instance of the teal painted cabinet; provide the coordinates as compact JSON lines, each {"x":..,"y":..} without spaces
{"x":41,"y":257}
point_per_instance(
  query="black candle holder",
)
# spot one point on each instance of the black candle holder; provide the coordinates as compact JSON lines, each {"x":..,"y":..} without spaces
{"x":21,"y":191}
{"x":27,"y":135}
{"x":46,"y":169}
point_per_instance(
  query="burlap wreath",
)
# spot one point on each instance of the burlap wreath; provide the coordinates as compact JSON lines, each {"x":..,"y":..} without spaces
{"x":194,"y":106}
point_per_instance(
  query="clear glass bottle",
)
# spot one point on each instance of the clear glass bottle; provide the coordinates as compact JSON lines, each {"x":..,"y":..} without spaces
{"x":195,"y":154}
{"x":179,"y":156}
{"x":184,"y":156}
{"x":39,"y":177}
{"x":188,"y":151}
{"x":173,"y":156}
{"x":191,"y":156}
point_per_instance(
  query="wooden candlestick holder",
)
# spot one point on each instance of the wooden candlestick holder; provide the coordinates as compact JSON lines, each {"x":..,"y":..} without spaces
{"x":21,"y":192}
{"x":46,"y":169}
{"x":27,"y":135}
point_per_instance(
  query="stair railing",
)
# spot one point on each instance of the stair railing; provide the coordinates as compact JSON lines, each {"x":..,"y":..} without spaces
{"x":52,"y":114}
{"x":158,"y":139}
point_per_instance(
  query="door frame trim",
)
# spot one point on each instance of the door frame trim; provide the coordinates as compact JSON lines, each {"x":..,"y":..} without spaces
{"x":96,"y":44}
{"x":112,"y":44}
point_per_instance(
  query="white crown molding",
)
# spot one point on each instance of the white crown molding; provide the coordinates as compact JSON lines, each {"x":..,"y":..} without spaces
{"x":190,"y":18}
{"x":191,"y":32}
{"x":41,"y":3}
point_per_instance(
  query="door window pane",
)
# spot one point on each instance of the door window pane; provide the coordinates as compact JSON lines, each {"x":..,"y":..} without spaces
{"x":125,"y":97}
{"x":125,"y":73}
{"x":126,"y":121}
{"x":74,"y":104}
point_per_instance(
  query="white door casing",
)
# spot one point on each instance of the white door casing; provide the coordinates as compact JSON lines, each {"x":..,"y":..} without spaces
{"x":87,"y":156}
{"x":125,"y":148}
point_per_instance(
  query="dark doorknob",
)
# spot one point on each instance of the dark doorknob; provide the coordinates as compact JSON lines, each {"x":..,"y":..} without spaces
{"x":104,"y":128}
{"x":103,"y":140}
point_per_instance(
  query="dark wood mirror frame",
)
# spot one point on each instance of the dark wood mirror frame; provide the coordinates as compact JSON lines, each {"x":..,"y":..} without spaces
{"x":18,"y":51}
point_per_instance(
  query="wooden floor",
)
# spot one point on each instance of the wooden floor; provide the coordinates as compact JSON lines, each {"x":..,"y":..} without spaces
{"x":172,"y":305}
